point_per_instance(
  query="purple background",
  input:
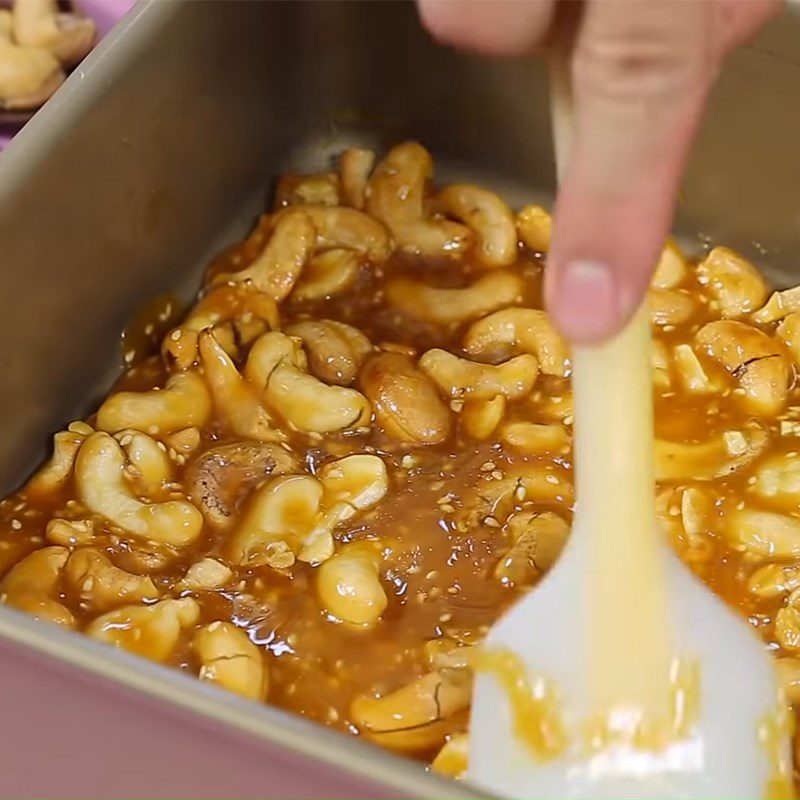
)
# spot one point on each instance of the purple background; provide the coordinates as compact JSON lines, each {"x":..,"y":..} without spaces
{"x":106,"y":13}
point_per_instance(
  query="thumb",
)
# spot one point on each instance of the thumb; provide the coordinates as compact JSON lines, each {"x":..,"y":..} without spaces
{"x":641,"y":74}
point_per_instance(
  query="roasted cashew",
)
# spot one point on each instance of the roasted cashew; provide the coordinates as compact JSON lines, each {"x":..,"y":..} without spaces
{"x":67,"y":35}
{"x":661,"y":373}
{"x":355,"y":167}
{"x":715,"y":458}
{"x":335,"y":350}
{"x":395,"y":195}
{"x":276,"y":270}
{"x":31,"y":584}
{"x":788,"y":332}
{"x":205,"y":575}
{"x":735,"y":285}
{"x":150,"y":631}
{"x":149,"y":467}
{"x":320,"y":189}
{"x":350,"y":229}
{"x":57,"y":471}
{"x":670,"y":306}
{"x":229,"y":659}
{"x":273,"y":367}
{"x":184,"y":402}
{"x":349,"y":585}
{"x":537,"y":438}
{"x":787,"y":627}
{"x":411,"y":718}
{"x":480,"y":418}
{"x":534,"y":228}
{"x":672,"y":268}
{"x":70,"y":532}
{"x":779,"y":305}
{"x":221,"y":477}
{"x":235,"y":400}
{"x":774,"y":580}
{"x":788,"y":670}
{"x":489,"y":218}
{"x":99,"y":585}
{"x":519,"y":330}
{"x":100,"y":482}
{"x":763,"y":534}
{"x":328,"y":274}
{"x":691,"y":373}
{"x":754,"y":359}
{"x":405,"y":401}
{"x":696,"y":510}
{"x":537,"y":539}
{"x":241,"y":304}
{"x":459,"y":377}
{"x":28,"y":75}
{"x":452,"y":306}
{"x":453,"y":758}
{"x":777,"y":479}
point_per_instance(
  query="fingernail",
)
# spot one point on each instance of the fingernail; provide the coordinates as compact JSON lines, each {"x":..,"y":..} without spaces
{"x":584,"y":301}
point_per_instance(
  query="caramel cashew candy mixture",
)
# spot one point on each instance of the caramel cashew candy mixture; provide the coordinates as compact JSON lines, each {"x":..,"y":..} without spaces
{"x":354,"y":453}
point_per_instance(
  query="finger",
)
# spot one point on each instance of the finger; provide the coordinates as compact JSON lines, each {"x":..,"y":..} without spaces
{"x":491,"y":27}
{"x":641,"y":73}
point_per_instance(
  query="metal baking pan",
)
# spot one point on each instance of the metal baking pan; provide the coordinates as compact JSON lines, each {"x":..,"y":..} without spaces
{"x":157,"y":152}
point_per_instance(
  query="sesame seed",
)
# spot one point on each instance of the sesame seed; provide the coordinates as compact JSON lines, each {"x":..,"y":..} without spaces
{"x":16,"y":524}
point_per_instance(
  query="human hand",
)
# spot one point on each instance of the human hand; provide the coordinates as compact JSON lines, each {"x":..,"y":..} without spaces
{"x":641,"y":73}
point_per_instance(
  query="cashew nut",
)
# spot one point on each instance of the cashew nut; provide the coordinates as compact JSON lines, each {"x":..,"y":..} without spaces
{"x":412,"y":717}
{"x":276,"y":270}
{"x":183,"y":403}
{"x":57,"y":471}
{"x":229,"y":659}
{"x":31,"y":584}
{"x":779,"y":305}
{"x":480,"y":418}
{"x":70,"y":532}
{"x":715,"y":458}
{"x":205,"y":576}
{"x":221,"y":477}
{"x":67,"y":35}
{"x":328,"y":274}
{"x":764,"y":534}
{"x":774,"y":580}
{"x":534,"y":228}
{"x":405,"y":401}
{"x":754,"y":359}
{"x":349,"y":586}
{"x":150,"y":631}
{"x":672,"y":269}
{"x":537,"y":539}
{"x":459,"y":377}
{"x":321,"y":189}
{"x":101,"y":486}
{"x":736,"y":286}
{"x":28,"y":75}
{"x":788,"y":670}
{"x":396,"y":196}
{"x":661,"y":373}
{"x":519,"y":330}
{"x":489,"y":218}
{"x":235,"y":400}
{"x":537,"y":438}
{"x":453,"y":759}
{"x":149,"y":467}
{"x":670,"y":306}
{"x":355,"y":167}
{"x":691,"y":373}
{"x":777,"y":479}
{"x":273,"y":366}
{"x":696,"y":509}
{"x":452,"y":306}
{"x":335,"y":350}
{"x":788,"y":332}
{"x":99,"y":585}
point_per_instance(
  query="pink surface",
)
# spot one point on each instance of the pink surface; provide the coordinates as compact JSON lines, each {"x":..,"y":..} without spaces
{"x":106,"y":13}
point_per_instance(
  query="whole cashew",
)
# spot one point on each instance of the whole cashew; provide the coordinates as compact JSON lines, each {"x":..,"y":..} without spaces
{"x":149,"y":467}
{"x":735,"y":285}
{"x":405,"y":401}
{"x":691,"y":373}
{"x":458,"y":377}
{"x":670,"y":306}
{"x":100,"y":482}
{"x":235,"y":400}
{"x":453,"y":759}
{"x":205,"y":576}
{"x":99,"y":585}
{"x":777,"y":479}
{"x":537,"y":539}
{"x":537,"y":438}
{"x":774,"y":580}
{"x":764,"y":534}
{"x":57,"y":471}
{"x":672,"y":268}
{"x":719,"y":456}
{"x":489,"y":218}
{"x":183,"y":403}
{"x":319,"y":189}
{"x":452,"y":306}
{"x":68,"y":36}
{"x":150,"y":631}
{"x":534,"y":228}
{"x":32,"y":583}
{"x":355,"y":167}
{"x":519,"y":330}
{"x":328,"y":274}
{"x":395,"y":195}
{"x":754,"y":359}
{"x":274,"y":368}
{"x":480,"y":418}
{"x":229,"y":659}
{"x":788,"y":332}
{"x":778,"y":306}
{"x":276,"y":270}
{"x":335,"y":350}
